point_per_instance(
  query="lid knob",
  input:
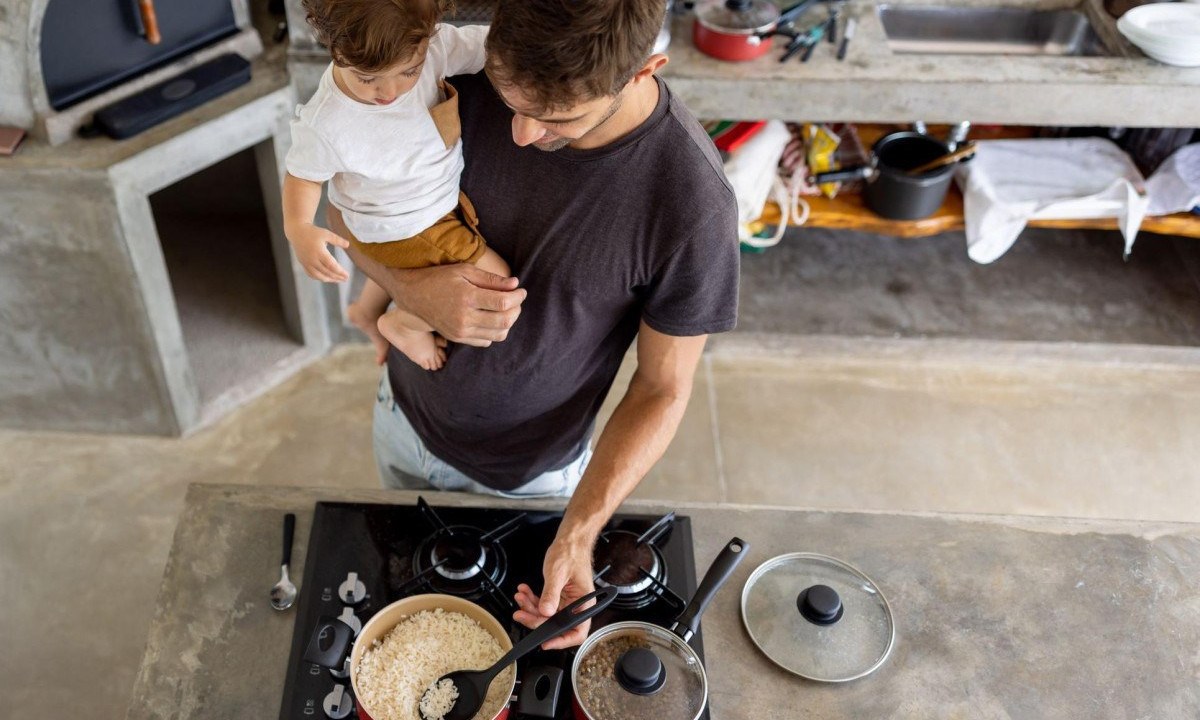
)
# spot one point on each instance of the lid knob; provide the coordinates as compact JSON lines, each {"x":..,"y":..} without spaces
{"x":820,"y":605}
{"x":641,"y":672}
{"x":738,"y":5}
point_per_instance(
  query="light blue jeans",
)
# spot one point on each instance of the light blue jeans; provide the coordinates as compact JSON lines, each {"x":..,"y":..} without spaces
{"x":406,"y":464}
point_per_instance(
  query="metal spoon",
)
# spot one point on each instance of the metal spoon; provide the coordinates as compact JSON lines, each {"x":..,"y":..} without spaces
{"x":284,"y":592}
{"x":472,"y":685}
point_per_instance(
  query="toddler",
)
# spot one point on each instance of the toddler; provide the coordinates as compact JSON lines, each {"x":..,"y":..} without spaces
{"x":383,"y":130}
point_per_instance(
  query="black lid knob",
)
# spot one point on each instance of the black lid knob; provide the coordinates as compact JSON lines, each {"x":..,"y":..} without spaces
{"x":641,"y":672}
{"x":820,"y":605}
{"x":738,"y":5}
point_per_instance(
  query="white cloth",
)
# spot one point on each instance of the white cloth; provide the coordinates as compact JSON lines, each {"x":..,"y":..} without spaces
{"x":1010,"y":182}
{"x":753,"y":171}
{"x":1175,"y":186}
{"x":392,"y":175}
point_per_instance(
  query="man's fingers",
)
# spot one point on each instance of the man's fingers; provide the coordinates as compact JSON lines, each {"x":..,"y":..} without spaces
{"x":338,"y":240}
{"x":529,"y":620}
{"x":556,"y":578}
{"x":491,"y":281}
{"x":498,"y":301}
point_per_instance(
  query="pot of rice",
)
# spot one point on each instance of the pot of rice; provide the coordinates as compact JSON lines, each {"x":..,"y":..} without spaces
{"x":408,"y":645}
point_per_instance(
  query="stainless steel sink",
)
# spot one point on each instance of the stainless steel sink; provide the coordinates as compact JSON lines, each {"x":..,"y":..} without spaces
{"x":988,"y":31}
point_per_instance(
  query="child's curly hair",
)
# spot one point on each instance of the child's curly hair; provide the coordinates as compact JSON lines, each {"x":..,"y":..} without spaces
{"x":372,"y":35}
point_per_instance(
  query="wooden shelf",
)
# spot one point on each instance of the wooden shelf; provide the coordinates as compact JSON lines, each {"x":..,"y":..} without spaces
{"x":849,"y":212}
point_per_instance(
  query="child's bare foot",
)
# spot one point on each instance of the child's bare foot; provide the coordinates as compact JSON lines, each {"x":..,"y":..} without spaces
{"x":419,"y":345}
{"x":366,"y":319}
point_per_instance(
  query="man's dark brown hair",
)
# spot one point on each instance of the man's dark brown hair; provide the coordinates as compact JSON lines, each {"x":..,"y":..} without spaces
{"x":560,"y":52}
{"x":373,"y":35}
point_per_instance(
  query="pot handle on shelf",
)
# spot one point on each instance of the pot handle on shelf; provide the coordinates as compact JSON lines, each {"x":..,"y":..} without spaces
{"x":861,"y":172}
{"x":716,"y":576}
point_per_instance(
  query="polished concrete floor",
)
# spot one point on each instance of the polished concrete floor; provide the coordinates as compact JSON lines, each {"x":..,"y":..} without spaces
{"x":787,"y":411}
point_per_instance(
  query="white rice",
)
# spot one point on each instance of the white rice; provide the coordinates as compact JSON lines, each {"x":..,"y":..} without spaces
{"x":395,"y":671}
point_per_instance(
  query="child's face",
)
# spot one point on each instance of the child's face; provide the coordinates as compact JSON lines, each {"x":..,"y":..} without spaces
{"x":383,"y":87}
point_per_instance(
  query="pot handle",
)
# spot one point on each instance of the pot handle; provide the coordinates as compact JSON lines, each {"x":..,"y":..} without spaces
{"x":540,"y":688}
{"x":791,"y":13}
{"x":716,"y":576}
{"x":862,"y":172}
{"x":329,"y":643}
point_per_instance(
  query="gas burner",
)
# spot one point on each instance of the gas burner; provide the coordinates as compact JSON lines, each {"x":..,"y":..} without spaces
{"x":463,"y":562}
{"x":459,"y":556}
{"x":629,"y":566}
{"x":634,"y":565}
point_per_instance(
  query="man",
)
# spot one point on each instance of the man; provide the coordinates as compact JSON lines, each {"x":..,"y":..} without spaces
{"x":608,"y":200}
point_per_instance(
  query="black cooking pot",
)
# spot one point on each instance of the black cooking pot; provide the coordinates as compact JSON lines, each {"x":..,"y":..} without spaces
{"x":892,"y":192}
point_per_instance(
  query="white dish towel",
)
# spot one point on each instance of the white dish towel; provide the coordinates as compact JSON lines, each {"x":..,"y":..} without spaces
{"x":1175,"y":185}
{"x":1010,"y":182}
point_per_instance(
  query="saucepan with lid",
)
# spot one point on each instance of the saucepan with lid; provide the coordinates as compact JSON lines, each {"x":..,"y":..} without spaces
{"x":740,"y":29}
{"x":637,"y":669}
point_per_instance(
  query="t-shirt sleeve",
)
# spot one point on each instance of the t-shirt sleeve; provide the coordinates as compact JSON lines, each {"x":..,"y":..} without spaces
{"x":310,"y":157}
{"x":462,"y":48}
{"x":695,"y":292}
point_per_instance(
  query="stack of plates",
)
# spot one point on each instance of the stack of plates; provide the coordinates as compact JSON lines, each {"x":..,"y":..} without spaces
{"x":1168,"y":32}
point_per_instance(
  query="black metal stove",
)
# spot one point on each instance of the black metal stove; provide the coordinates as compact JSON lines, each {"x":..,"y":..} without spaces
{"x":362,"y":557}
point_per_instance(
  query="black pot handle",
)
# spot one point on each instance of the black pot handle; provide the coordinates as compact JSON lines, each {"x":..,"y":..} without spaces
{"x":329,"y":643}
{"x":716,"y":576}
{"x":795,"y":11}
{"x":861,"y":172}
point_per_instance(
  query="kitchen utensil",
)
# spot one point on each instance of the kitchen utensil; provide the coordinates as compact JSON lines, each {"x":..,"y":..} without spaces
{"x":1167,"y":32}
{"x":636,"y":669}
{"x":851,"y":26}
{"x":739,"y":30}
{"x":284,"y":592}
{"x":962,"y":153}
{"x":892,"y":192}
{"x":818,"y":617}
{"x":472,"y":685}
{"x":957,"y":134}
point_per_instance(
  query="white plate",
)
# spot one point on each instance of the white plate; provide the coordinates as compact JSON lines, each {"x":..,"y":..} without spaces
{"x":1172,"y":22}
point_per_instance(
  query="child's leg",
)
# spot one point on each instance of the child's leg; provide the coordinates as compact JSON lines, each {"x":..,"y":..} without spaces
{"x":414,"y":337}
{"x":493,"y":263}
{"x":365,"y":312}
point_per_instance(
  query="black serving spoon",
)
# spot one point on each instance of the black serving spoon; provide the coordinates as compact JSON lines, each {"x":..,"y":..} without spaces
{"x":472,"y":685}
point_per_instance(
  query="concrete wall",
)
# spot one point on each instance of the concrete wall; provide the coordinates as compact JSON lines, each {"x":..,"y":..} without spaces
{"x":76,"y":351}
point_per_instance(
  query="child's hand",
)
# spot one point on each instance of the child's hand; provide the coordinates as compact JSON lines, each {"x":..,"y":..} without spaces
{"x":309,"y":242}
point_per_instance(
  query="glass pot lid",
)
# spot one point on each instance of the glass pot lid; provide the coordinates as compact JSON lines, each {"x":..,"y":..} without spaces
{"x":739,"y":16}
{"x":818,"y":617}
{"x":638,"y":670}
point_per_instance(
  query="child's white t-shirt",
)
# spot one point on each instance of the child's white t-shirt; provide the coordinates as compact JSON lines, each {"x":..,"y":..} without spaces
{"x":392,"y":175}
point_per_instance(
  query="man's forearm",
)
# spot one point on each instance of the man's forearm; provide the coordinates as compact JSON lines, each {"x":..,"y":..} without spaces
{"x":390,"y":279}
{"x":634,"y":439}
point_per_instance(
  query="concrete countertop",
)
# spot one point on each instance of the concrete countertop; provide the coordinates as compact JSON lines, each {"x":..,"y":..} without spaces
{"x":874,"y":84}
{"x":997,"y":617}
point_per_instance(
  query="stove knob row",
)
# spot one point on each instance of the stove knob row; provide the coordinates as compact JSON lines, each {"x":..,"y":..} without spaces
{"x":338,"y":703}
{"x":352,"y":591}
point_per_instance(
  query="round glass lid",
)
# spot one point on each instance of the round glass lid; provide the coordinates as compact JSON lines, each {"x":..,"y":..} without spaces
{"x":818,"y":617}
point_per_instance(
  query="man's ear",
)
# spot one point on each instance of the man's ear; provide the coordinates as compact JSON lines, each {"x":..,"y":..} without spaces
{"x":653,"y":64}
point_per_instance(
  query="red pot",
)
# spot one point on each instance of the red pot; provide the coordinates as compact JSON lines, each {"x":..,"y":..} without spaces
{"x":740,"y":29}
{"x":387,"y":618}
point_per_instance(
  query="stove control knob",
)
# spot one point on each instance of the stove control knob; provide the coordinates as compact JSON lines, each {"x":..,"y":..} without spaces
{"x":352,"y":591}
{"x":338,"y":703}
{"x":350,"y":619}
{"x":343,"y":673}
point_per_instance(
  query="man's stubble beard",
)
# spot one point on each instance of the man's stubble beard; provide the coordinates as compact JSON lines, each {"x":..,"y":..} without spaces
{"x":561,"y":143}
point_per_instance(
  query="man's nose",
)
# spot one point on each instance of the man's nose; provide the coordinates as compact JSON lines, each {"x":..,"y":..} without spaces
{"x":526,"y":130}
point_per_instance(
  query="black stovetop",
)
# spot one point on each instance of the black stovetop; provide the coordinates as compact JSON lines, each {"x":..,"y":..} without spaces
{"x":389,"y":548}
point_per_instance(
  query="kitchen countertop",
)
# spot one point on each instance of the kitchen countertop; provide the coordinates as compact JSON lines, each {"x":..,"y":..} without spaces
{"x":997,"y":617}
{"x":874,"y":84}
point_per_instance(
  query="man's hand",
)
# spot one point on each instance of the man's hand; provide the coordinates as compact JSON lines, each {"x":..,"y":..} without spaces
{"x":309,"y":243}
{"x":463,"y":303}
{"x":568,"y":575}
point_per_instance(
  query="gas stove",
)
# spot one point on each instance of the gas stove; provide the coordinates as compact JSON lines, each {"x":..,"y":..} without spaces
{"x":362,"y":557}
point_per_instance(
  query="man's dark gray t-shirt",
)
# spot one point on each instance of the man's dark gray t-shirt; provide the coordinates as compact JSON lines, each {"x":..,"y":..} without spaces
{"x":642,"y":229}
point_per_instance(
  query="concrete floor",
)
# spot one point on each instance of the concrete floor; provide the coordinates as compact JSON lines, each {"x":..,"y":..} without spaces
{"x":788,"y":411}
